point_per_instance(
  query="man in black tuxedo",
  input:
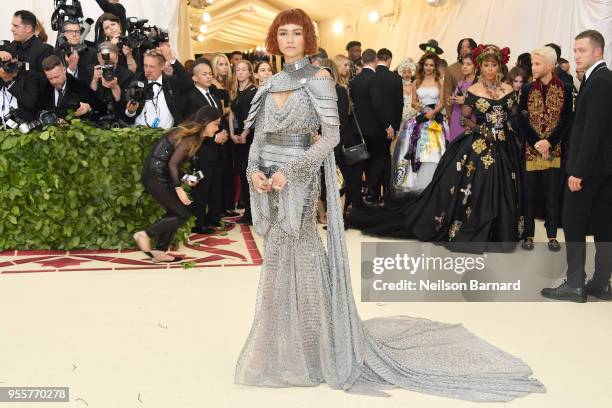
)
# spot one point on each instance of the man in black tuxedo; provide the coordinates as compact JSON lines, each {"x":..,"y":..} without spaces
{"x":18,"y":90}
{"x":388,"y":102}
{"x":208,"y":194}
{"x":164,"y":109}
{"x":588,"y":196}
{"x":63,"y":91}
{"x":361,"y":90}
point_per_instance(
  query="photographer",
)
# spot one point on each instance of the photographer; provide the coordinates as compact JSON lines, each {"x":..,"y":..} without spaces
{"x":162,"y":178}
{"x":19,"y":93}
{"x":112,"y":29}
{"x":108,"y":81}
{"x":110,"y":7}
{"x":28,"y":47}
{"x":78,"y":57}
{"x":64,"y":92}
{"x":162,"y":110}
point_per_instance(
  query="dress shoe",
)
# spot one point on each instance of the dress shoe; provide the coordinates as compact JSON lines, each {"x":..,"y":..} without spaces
{"x":565,"y":292}
{"x":527,"y":244}
{"x":554,"y":246}
{"x":603,"y":292}
{"x":203,"y":230}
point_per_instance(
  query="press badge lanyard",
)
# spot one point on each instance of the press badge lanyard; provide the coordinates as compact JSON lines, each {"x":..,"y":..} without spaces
{"x":155,"y":102}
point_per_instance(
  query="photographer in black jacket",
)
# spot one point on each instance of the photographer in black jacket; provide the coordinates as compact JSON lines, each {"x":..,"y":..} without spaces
{"x":112,"y":7}
{"x":18,"y":90}
{"x":64,"y":92}
{"x":78,"y":57}
{"x":108,"y":82}
{"x":28,"y":47}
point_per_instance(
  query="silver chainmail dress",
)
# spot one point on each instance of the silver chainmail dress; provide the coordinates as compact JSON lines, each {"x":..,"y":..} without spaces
{"x":306,"y":329}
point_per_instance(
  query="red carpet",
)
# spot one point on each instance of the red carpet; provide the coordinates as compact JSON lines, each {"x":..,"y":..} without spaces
{"x":230,"y":248}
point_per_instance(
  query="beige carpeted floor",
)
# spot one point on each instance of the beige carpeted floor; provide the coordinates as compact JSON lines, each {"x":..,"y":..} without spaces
{"x":170,"y":338}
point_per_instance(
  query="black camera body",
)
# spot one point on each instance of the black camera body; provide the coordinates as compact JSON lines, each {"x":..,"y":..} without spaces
{"x":45,"y":118}
{"x":10,"y":67}
{"x":66,"y":10}
{"x":108,"y":69}
{"x":142,"y":36}
{"x":65,"y":49}
{"x":13,"y":119}
{"x":139,"y":92}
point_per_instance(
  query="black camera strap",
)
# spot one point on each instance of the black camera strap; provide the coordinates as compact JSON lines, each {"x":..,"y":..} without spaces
{"x":155,"y":102}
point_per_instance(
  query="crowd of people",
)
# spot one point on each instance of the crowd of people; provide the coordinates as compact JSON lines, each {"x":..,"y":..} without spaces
{"x":423,"y":148}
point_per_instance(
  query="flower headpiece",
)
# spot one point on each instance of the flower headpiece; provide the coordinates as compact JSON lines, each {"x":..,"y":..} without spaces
{"x":407,"y":64}
{"x":501,"y":55}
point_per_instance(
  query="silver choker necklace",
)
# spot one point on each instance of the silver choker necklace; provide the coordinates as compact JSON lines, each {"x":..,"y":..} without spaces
{"x":297,"y":65}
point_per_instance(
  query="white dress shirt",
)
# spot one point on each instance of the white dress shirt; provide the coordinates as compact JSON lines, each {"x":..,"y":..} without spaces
{"x":156,"y":110}
{"x":590,"y":70}
{"x":208,"y":96}
{"x":8,"y":100}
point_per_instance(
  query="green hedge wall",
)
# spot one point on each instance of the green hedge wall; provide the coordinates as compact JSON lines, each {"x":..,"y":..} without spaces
{"x":75,"y":187}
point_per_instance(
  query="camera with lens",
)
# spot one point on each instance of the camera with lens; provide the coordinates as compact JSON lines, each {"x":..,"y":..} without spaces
{"x":139,"y":92}
{"x":108,"y":69}
{"x":194,"y":178}
{"x":65,"y":49}
{"x":141,"y":35}
{"x":11,"y":67}
{"x":66,"y":10}
{"x":45,"y":118}
{"x":12,"y":119}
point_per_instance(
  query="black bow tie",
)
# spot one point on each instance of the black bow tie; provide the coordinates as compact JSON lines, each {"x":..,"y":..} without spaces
{"x":155,"y":83}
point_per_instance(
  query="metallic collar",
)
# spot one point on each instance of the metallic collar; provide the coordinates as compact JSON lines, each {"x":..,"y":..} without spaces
{"x":296,"y":66}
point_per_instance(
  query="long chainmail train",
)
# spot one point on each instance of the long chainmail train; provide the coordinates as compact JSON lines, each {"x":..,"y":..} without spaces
{"x":306,"y":329}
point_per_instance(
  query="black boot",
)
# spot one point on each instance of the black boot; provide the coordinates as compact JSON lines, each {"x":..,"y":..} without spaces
{"x":603,"y":292}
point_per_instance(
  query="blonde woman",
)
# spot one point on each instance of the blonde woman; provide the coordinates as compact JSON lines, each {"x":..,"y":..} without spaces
{"x":241,"y":93}
{"x":222,"y":80}
{"x":344,"y":69}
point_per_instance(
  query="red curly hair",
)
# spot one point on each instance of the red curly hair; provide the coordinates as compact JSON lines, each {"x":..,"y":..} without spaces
{"x":297,"y":17}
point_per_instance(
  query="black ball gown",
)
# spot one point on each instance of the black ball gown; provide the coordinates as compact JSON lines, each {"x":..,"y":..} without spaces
{"x":475,"y":201}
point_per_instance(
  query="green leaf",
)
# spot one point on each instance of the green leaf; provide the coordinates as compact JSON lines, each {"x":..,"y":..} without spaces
{"x":12,"y":219}
{"x":44,"y":135}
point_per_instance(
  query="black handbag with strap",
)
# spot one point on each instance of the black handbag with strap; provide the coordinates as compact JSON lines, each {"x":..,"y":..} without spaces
{"x":359,"y":152}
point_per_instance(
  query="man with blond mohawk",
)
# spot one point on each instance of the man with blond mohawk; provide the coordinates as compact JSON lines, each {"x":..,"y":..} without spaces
{"x":544,"y":120}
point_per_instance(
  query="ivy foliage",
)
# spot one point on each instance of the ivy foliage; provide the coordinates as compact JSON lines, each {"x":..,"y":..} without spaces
{"x":75,"y":186}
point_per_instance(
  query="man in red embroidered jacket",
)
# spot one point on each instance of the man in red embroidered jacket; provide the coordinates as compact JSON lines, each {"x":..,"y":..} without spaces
{"x":545,"y":115}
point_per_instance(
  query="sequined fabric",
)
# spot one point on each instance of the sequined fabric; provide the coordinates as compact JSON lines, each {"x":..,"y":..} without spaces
{"x":306,"y":329}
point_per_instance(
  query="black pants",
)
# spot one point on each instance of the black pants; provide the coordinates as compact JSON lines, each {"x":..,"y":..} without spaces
{"x":228,"y":179}
{"x":378,"y":166}
{"x":591,"y":206}
{"x":352,"y":182}
{"x":241,"y":161}
{"x":207,"y":195}
{"x":548,"y":185}
{"x":177,"y":214}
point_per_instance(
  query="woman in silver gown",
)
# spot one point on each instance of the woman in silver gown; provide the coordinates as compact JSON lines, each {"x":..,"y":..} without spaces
{"x":306,"y":329}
